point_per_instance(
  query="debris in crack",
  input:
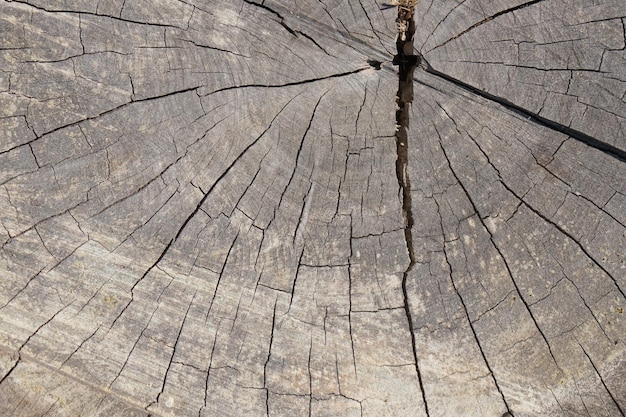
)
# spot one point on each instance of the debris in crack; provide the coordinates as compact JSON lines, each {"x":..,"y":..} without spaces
{"x":406,"y":62}
{"x":406,"y":8}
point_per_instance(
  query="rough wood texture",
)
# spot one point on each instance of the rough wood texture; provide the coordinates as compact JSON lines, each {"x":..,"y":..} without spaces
{"x":206,"y":209}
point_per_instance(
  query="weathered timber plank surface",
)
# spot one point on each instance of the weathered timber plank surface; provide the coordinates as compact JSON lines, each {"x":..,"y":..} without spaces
{"x":202,"y":212}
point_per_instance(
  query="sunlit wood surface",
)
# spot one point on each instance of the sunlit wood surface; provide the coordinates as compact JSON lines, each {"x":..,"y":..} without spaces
{"x":205,"y":209}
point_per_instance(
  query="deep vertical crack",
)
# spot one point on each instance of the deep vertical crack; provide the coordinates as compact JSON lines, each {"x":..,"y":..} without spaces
{"x":269,"y":355}
{"x":208,"y":374}
{"x":171,"y":361}
{"x":406,"y":62}
{"x":352,"y":254}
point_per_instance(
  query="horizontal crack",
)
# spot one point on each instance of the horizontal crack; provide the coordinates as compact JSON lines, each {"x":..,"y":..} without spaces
{"x":291,"y":83}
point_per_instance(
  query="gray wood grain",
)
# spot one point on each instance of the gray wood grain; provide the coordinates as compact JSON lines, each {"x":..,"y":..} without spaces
{"x":202,"y":214}
{"x":563,"y":61}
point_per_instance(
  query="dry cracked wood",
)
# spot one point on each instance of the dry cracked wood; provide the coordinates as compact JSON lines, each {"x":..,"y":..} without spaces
{"x":206,"y":209}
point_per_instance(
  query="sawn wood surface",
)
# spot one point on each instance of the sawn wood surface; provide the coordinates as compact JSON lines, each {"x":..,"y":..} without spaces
{"x":206,"y":209}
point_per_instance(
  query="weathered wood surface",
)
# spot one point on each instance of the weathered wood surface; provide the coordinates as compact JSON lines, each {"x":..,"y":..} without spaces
{"x":202,"y":213}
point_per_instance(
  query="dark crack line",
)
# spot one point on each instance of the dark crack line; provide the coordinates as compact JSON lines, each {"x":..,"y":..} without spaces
{"x":208,"y":374}
{"x":490,"y":309}
{"x":295,"y":280}
{"x":281,"y":19}
{"x":553,"y":69}
{"x":82,"y":343}
{"x":104,"y":113}
{"x":132,"y":349}
{"x":577,"y":135}
{"x":19,"y":350}
{"x":141,"y":188}
{"x":51,"y":407}
{"x":297,"y":158}
{"x":132,"y":289}
{"x":621,"y":411}
{"x":522,"y":201}
{"x":33,"y":227}
{"x":407,"y":63}
{"x":350,"y":310}
{"x":569,"y":235}
{"x":302,"y":219}
{"x":146,"y":99}
{"x":269,"y":355}
{"x":169,"y":366}
{"x":10,"y":371}
{"x":374,"y":32}
{"x":291,"y":83}
{"x":488,"y":19}
{"x":71,"y":58}
{"x":245,"y":192}
{"x":23,"y":288}
{"x":213,"y":48}
{"x":586,"y":305}
{"x":344,"y":38}
{"x":461,"y":3}
{"x":225,"y":173}
{"x":130,"y":402}
{"x":314,"y":42}
{"x":221,"y":274}
{"x":310,"y":377}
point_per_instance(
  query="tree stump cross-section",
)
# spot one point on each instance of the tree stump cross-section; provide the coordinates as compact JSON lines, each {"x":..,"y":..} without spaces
{"x":280,"y":208}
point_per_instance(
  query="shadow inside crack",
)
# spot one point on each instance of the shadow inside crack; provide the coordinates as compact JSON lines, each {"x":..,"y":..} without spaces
{"x":406,"y":62}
